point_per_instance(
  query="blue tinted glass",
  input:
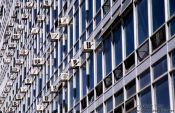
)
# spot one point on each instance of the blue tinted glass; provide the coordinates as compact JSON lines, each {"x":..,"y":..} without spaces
{"x":98,"y":18}
{"x":131,"y":89}
{"x":71,"y":93}
{"x":144,"y":79}
{"x":160,"y":67}
{"x":71,"y":35}
{"x":172,"y":7}
{"x":77,"y":26}
{"x":90,"y":11}
{"x":173,"y":58}
{"x":162,"y":95}
{"x":83,"y":16}
{"x":56,"y":62}
{"x":77,"y":109}
{"x":118,"y":44}
{"x":100,"y":109}
{"x":119,"y":98}
{"x":84,"y":80}
{"x":158,"y":13}
{"x":99,"y":66}
{"x":172,"y":27}
{"x":129,"y":33}
{"x":90,"y":29}
{"x":145,"y":100}
{"x":77,"y":96}
{"x":61,"y":50}
{"x":91,"y":72}
{"x":142,"y":20}
{"x":107,"y":50}
{"x":109,"y":105}
{"x":98,"y":5}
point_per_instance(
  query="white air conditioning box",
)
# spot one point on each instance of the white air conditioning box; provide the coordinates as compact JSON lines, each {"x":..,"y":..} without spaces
{"x":21,"y":27}
{"x":53,"y":89}
{"x":34,"y":72}
{"x":23,"y":52}
{"x":88,"y":46}
{"x":3,"y":47}
{"x":6,"y":89}
{"x":54,"y":36}
{"x":1,"y":54}
{"x":46,"y":4}
{"x":35,"y":31}
{"x":75,"y":63}
{"x":28,"y":81}
{"x":14,"y":69}
{"x":3,"y":95}
{"x":40,"y":18}
{"x":46,"y":99}
{"x":38,"y":62}
{"x":19,"y":61}
{"x":18,"y":96}
{"x":23,"y":89}
{"x":18,"y":4}
{"x":29,"y":5}
{"x":7,"y":60}
{"x":12,"y":46}
{"x":12,"y":76}
{"x":64,"y":21}
{"x":63,"y":77}
{"x":10,"y":24}
{"x":9,"y":83}
{"x":16,"y":37}
{"x":39,"y":107}
{"x":9,"y":53}
{"x":24,"y":16}
{"x":14,"y":103}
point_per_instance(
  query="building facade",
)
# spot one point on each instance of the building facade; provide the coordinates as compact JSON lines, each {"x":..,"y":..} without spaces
{"x":88,"y":56}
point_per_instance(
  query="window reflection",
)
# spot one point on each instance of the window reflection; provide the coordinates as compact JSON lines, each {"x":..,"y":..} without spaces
{"x":144,"y":79}
{"x":172,"y":7}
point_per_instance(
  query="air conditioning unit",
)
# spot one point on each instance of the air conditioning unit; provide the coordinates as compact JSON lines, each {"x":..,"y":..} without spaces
{"x":12,"y":76}
{"x":37,"y":61}
{"x":75,"y":63}
{"x":53,"y":89}
{"x":18,"y":97}
{"x":63,"y":77}
{"x":21,"y":27}
{"x":14,"y":103}
{"x":14,"y":14}
{"x":10,"y":24}
{"x":9,"y":83}
{"x":3,"y":95}
{"x":11,"y":110}
{"x":41,"y":18}
{"x":7,"y":33}
{"x":14,"y":69}
{"x":39,"y":107}
{"x":23,"y":89}
{"x":46,"y":99}
{"x":35,"y":31}
{"x":1,"y":54}
{"x":3,"y":48}
{"x":88,"y":46}
{"x":1,"y":101}
{"x":28,"y":81}
{"x":19,"y":61}
{"x":24,"y":16}
{"x":29,"y":5}
{"x":9,"y":53}
{"x":23,"y":52}
{"x":6,"y":60}
{"x":18,"y":5}
{"x":6,"y":90}
{"x":46,"y":4}
{"x":34,"y":72}
{"x":16,"y":37}
{"x":54,"y":36}
{"x":64,"y":21}
{"x":12,"y":46}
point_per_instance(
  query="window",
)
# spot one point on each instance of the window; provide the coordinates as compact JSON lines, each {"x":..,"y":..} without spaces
{"x":91,"y":97}
{"x":129,"y":33}
{"x":160,"y":67}
{"x":143,"y":51}
{"x":83,"y":103}
{"x":98,"y":5}
{"x":142,"y":10}
{"x":118,"y":73}
{"x":107,"y":52}
{"x":77,"y":25}
{"x":158,"y":38}
{"x":106,"y":7}
{"x":77,"y":94}
{"x":91,"y":72}
{"x":145,"y":101}
{"x":83,"y":11}
{"x":162,"y":101}
{"x":109,"y":105}
{"x":84,"y":77}
{"x":71,"y":92}
{"x":131,"y":89}
{"x":77,"y":109}
{"x":144,"y":78}
{"x":90,"y":11}
{"x":172,"y":27}
{"x":99,"y":89}
{"x":172,"y":55}
{"x":172,"y":7}
{"x":71,"y":35}
{"x":99,"y":109}
{"x":129,"y":63}
{"x":119,"y":97}
{"x":130,"y":106}
{"x":158,"y":13}
{"x":99,"y":65}
{"x":118,"y":44}
{"x":108,"y":81}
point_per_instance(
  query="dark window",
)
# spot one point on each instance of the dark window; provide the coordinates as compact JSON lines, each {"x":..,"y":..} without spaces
{"x":160,"y":67}
{"x":100,"y":109}
{"x":172,"y":59}
{"x":143,"y":51}
{"x":90,"y":11}
{"x":77,"y":95}
{"x":172,"y":7}
{"x":99,"y":89}
{"x":118,"y":44}
{"x":109,"y":105}
{"x":145,"y":101}
{"x":91,"y":97}
{"x":162,"y":95}
{"x":130,"y":63}
{"x":77,"y":25}
{"x":71,"y":35}
{"x":118,"y":110}
{"x":144,"y":79}
{"x":130,"y":106}
{"x":129,"y":33}
{"x":83,"y":103}
{"x":107,"y":51}
{"x":83,"y":16}
{"x":118,"y":72}
{"x":131,"y":89}
{"x":99,"y":65}
{"x":71,"y":93}
{"x":142,"y":20}
{"x":158,"y":13}
{"x":172,"y":27}
{"x":91,"y":72}
{"x":98,"y":18}
{"x":119,"y":97}
{"x":106,"y":7}
{"x":108,"y":81}
{"x":84,"y":79}
{"x":98,"y":5}
{"x":158,"y":38}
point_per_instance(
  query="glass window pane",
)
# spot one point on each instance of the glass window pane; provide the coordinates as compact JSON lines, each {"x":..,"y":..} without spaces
{"x":119,"y":97}
{"x":91,"y":72}
{"x":162,"y":101}
{"x":90,"y":11}
{"x":83,"y":16}
{"x":129,"y":33}
{"x":77,"y":25}
{"x":131,"y":89}
{"x":71,"y":93}
{"x":99,"y":109}
{"x":160,"y":67}
{"x":172,"y":27}
{"x":145,"y":101}
{"x":84,"y":80}
{"x":98,"y":5}
{"x":172,"y":7}
{"x":142,"y":20}
{"x":77,"y":96}
{"x":144,"y":78}
{"x":158,"y":13}
{"x":99,"y":65}
{"x":109,"y":105}
{"x":118,"y":44}
{"x":173,"y":59}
